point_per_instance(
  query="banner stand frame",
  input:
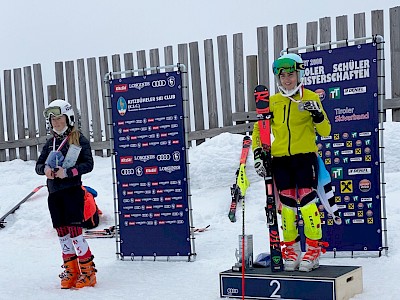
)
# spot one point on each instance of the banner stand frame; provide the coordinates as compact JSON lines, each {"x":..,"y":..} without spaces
{"x":185,"y":98}
{"x":379,"y":40}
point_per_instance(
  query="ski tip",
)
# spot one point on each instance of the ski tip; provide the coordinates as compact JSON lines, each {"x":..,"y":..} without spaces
{"x":260,"y":88}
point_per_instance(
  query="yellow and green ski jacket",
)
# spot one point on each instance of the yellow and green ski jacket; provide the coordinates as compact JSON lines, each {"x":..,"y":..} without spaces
{"x":293,"y":130}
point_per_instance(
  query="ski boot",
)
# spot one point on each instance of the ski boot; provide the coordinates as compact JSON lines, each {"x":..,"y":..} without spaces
{"x":88,"y":273}
{"x":71,"y":273}
{"x":310,"y":260}
{"x":291,"y":253}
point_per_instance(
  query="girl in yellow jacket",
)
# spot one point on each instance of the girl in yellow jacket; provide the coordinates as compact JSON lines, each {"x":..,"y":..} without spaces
{"x":297,"y":116}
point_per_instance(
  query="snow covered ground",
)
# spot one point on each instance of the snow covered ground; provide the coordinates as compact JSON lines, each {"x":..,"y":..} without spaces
{"x":30,"y":257}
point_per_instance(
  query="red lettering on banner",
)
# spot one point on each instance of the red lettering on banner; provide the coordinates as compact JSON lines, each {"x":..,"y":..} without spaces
{"x":151,"y":170}
{"x":120,"y":88}
{"x":126,"y":160}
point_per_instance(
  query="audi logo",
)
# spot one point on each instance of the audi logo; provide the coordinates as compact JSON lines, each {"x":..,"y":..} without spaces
{"x":161,"y":157}
{"x":231,"y":291}
{"x":127,"y":172}
{"x":159,"y":83}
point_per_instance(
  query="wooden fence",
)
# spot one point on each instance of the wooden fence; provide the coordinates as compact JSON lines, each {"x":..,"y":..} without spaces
{"x":217,"y":99}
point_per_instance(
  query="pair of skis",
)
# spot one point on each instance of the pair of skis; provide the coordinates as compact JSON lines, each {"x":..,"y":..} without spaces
{"x":261,"y":96}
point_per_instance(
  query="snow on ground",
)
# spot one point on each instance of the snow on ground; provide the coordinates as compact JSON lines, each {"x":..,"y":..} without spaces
{"x":30,"y":257}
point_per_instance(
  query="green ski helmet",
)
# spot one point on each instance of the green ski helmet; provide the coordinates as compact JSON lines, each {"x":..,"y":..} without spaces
{"x":289,"y":62}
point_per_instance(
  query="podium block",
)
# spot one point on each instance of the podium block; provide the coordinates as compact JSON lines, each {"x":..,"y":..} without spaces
{"x":326,"y":282}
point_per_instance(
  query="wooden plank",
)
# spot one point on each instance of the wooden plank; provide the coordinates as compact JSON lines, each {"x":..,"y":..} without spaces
{"x":59,"y":68}
{"x":263,"y":56}
{"x":325,"y":35}
{"x":141,"y":60}
{"x":19,"y":110}
{"x":359,"y":26}
{"x":278,"y":47}
{"x":168,"y":58}
{"x":312,"y":34}
{"x":278,"y":41}
{"x":183,"y":58}
{"x":51,"y":93}
{"x":128,"y":63}
{"x":2,"y":135}
{"x":103,"y":66}
{"x":83,"y":98}
{"x":154,"y":60}
{"x":342,"y":30}
{"x":395,"y":56}
{"x":292,"y":36}
{"x":209,"y":133}
{"x":252,"y":80}
{"x":30,"y":109}
{"x":196,"y":87}
{"x":8,"y":102}
{"x":210,"y":84}
{"x":238,"y":72}
{"x":224,"y":80}
{"x":39,"y":95}
{"x":116,"y":65}
{"x":377,"y":22}
{"x":71,"y":87}
{"x":94,"y":102}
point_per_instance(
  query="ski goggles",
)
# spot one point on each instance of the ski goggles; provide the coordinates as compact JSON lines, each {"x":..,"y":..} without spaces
{"x":287,"y":65}
{"x":52,"y":111}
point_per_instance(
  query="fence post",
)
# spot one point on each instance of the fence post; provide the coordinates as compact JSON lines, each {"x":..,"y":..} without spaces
{"x":252,"y":80}
{"x":395,"y":57}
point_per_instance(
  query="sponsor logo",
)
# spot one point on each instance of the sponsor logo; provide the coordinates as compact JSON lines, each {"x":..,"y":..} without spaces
{"x":158,"y":83}
{"x":368,"y":199}
{"x":323,"y":138}
{"x":359,"y":171}
{"x":171,"y":81}
{"x":345,"y":135}
{"x":150,"y":170}
{"x":126,"y":172}
{"x":366,"y":133}
{"x":346,"y":152}
{"x":364,"y":185}
{"x":144,"y":158}
{"x":163,"y":157}
{"x":139,"y":85}
{"x":346,"y":186}
{"x":126,"y":160}
{"x":336,"y":145}
{"x":176,"y":156}
{"x":121,"y":106}
{"x":358,"y":221}
{"x":169,"y":169}
{"x":337,"y":172}
{"x":321,"y":93}
{"x":120,"y":88}
{"x":349,"y":214}
{"x":356,"y":159}
{"x":355,"y":90}
{"x":334,"y":93}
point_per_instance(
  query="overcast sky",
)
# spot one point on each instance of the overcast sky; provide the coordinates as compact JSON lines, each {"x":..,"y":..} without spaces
{"x":47,"y":31}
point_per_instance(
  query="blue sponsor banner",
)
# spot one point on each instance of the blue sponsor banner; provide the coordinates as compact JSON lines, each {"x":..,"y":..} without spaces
{"x":346,"y":81}
{"x":149,"y":141}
